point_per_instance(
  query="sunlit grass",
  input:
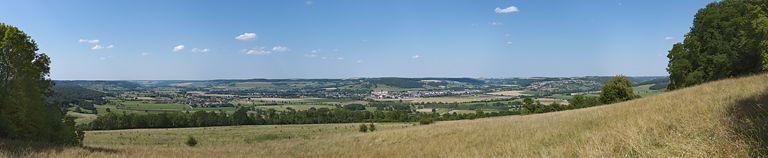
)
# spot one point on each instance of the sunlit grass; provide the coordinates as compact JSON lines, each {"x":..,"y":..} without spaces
{"x":693,"y":122}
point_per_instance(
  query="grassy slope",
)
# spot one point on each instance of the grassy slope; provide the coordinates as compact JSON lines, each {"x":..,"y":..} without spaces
{"x":701,"y":121}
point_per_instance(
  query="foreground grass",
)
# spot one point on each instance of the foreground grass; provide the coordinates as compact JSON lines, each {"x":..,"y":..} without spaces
{"x":719,"y":119}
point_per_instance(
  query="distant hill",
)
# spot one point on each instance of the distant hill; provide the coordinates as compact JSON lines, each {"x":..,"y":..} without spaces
{"x":102,"y":85}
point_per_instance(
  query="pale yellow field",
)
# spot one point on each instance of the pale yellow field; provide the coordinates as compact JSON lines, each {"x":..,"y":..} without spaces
{"x":451,"y":99}
{"x":278,"y":99}
{"x":547,"y":101}
{"x":719,"y":119}
{"x":508,"y":93}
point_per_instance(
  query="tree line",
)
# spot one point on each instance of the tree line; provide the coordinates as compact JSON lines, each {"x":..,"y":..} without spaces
{"x":729,"y":38}
{"x":249,"y":116}
{"x":617,"y":89}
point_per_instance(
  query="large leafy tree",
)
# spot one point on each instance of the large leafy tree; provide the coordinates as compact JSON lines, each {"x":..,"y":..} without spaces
{"x":617,"y":89}
{"x":728,"y":38}
{"x":24,"y":84}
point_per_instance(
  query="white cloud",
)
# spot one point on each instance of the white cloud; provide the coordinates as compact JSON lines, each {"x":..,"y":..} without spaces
{"x":246,"y":36}
{"x":508,"y":10}
{"x":96,"y":44}
{"x":340,"y":58}
{"x":257,"y":51}
{"x":415,"y":56}
{"x":309,"y":2}
{"x":323,"y":58}
{"x":669,"y":38}
{"x":97,"y":47}
{"x":200,"y":50}
{"x":359,"y":61}
{"x":144,"y":54}
{"x":90,"y":41}
{"x":178,"y":48}
{"x":509,"y":42}
{"x":310,"y":55}
{"x":102,"y":58}
{"x":493,"y":23}
{"x":280,"y":49}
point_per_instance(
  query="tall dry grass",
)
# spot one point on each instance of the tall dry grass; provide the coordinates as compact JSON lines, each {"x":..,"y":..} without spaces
{"x":717,"y":119}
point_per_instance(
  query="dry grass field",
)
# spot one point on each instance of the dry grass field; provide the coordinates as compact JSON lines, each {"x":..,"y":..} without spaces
{"x":719,"y":119}
{"x":451,"y":99}
{"x":509,"y":93}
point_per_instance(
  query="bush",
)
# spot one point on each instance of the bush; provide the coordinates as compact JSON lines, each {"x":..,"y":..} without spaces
{"x":618,"y":89}
{"x":426,"y":121}
{"x":191,"y":141}
{"x":363,"y":128}
{"x":371,"y":127}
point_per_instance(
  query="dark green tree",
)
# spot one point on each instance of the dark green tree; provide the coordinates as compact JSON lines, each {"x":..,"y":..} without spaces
{"x":617,"y":89}
{"x":24,"y":84}
{"x":240,"y":117}
{"x":729,"y":38}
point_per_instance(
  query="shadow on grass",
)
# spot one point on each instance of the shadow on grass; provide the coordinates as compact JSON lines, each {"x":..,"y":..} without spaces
{"x":16,"y":148}
{"x":750,"y":117}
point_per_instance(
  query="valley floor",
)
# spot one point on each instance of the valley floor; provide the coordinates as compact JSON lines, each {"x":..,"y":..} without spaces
{"x":719,"y":119}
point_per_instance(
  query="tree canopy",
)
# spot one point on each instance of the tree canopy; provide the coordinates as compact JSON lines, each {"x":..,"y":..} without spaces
{"x":728,"y":38}
{"x":24,"y":84}
{"x":618,"y":89}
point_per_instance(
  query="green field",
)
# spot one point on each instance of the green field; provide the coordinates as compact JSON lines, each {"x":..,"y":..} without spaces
{"x":644,"y":90}
{"x":294,"y":107}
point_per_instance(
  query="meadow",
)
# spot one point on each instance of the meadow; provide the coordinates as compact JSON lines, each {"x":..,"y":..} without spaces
{"x":709,"y":120}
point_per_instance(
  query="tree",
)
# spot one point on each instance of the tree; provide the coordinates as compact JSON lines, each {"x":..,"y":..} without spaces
{"x":728,"y":39}
{"x":617,"y":89}
{"x":240,"y":117}
{"x":24,"y":84}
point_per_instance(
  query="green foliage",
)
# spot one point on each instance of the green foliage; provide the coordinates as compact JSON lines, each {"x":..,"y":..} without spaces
{"x":581,"y":101}
{"x":24,"y":85}
{"x":618,"y":89}
{"x":371,"y":127}
{"x":240,"y":117}
{"x":728,"y":38}
{"x":363,"y":128}
{"x":191,"y":141}
{"x":426,"y":121}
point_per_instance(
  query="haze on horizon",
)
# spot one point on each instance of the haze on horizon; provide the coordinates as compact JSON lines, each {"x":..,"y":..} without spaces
{"x":181,"y":40}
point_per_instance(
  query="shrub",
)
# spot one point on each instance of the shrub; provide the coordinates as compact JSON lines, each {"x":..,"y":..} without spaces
{"x":371,"y":127}
{"x":191,"y":141}
{"x":363,"y":128}
{"x":425,"y":121}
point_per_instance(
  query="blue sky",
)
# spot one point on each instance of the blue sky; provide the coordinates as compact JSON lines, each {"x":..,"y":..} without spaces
{"x":143,"y":39}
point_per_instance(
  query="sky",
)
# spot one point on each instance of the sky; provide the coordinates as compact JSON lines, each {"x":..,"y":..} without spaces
{"x":197,"y":40}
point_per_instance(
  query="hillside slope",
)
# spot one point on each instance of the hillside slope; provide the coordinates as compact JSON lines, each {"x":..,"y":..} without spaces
{"x":719,"y":119}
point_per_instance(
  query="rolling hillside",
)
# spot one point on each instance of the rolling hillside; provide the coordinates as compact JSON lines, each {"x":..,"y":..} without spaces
{"x":718,"y":119}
